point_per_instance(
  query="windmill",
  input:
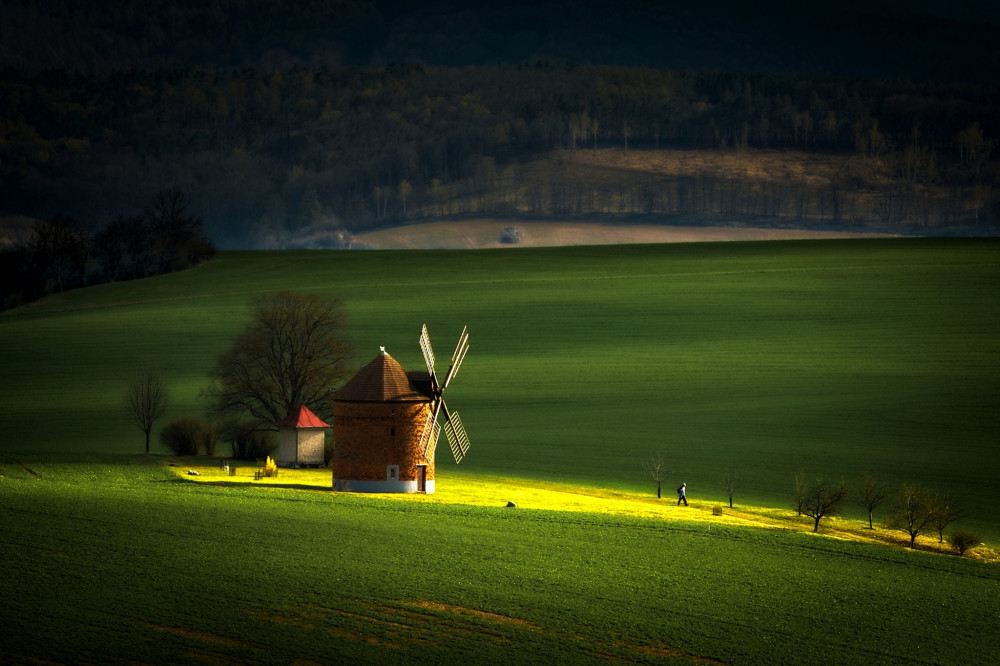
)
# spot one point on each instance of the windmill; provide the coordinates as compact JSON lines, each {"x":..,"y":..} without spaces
{"x":387,"y":423}
{"x":458,"y":440}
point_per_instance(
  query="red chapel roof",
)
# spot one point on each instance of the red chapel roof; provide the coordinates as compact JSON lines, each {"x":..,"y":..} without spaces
{"x":303,"y":417}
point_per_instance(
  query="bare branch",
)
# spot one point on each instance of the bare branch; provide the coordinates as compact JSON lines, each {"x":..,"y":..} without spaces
{"x":823,"y":498}
{"x":656,"y":469}
{"x":145,"y":401}
{"x":730,"y":482}
{"x":912,"y":511}
{"x":874,"y":491}
{"x":291,"y":353}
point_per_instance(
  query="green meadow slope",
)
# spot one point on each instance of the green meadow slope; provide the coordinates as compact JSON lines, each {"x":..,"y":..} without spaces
{"x":832,"y":357}
{"x":106,"y":559}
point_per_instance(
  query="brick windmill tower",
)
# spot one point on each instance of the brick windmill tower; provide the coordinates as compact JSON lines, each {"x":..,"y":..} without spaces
{"x":387,"y":422}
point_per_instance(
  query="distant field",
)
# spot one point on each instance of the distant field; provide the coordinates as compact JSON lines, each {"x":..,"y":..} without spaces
{"x":477,"y":234}
{"x":831,"y":357}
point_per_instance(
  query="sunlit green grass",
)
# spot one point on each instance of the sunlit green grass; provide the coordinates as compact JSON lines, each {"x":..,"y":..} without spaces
{"x":106,"y":558}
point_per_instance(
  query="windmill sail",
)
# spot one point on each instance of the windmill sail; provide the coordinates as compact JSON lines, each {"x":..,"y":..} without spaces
{"x":432,"y":443}
{"x":456,"y":359}
{"x":430,"y":432}
{"x":425,"y":347}
{"x":458,"y":440}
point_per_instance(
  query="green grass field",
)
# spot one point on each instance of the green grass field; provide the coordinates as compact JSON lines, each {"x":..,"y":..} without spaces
{"x":832,"y":357}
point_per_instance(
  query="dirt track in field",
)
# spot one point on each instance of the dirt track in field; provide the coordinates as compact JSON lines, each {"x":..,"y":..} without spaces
{"x":476,"y":234}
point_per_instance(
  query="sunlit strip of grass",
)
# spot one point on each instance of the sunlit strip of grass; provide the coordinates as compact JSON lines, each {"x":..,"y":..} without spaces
{"x":478,"y":490}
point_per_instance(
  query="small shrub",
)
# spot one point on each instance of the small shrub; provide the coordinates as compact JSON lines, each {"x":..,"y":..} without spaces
{"x":186,"y":436}
{"x":270,"y":467}
{"x":963,"y":541}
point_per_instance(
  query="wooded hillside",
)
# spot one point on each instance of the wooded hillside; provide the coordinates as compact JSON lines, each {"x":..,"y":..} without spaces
{"x":267,"y":156}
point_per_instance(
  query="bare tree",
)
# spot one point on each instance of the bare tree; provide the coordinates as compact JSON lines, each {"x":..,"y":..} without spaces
{"x":912,"y":511}
{"x":872,"y":494}
{"x":177,"y":240}
{"x":823,"y":498}
{"x":292,"y":353}
{"x":656,"y":469}
{"x":800,"y":491}
{"x":945,"y":509}
{"x":145,"y":400}
{"x":730,"y":482}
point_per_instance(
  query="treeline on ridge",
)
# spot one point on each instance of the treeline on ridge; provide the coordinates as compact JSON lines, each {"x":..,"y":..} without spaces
{"x":62,"y":254}
{"x":269,"y":156}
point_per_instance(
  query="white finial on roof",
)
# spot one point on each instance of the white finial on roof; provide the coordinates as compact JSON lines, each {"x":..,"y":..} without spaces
{"x":382,"y":348}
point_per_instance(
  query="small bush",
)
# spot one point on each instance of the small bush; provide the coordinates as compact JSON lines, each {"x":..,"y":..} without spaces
{"x":963,"y":541}
{"x":186,"y":436}
{"x":270,"y":467}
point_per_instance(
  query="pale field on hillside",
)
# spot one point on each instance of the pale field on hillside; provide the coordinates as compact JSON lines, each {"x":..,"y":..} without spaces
{"x":486,"y":233}
{"x":770,"y":165}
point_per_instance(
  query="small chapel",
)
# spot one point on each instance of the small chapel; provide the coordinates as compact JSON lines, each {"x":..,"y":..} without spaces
{"x":301,"y":439}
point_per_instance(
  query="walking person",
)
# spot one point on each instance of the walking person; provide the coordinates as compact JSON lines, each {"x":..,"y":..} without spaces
{"x":682,"y":495}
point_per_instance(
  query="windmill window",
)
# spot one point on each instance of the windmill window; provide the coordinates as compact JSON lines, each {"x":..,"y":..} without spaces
{"x":392,"y":472}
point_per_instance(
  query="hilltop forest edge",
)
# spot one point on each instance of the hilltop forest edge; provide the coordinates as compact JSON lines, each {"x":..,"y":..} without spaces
{"x":304,"y":158}
{"x":298,"y":124}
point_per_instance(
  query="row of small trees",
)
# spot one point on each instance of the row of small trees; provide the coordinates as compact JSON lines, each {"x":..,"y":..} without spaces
{"x":912,"y":509}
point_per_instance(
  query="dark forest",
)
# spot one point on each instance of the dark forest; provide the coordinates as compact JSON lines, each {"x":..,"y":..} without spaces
{"x":296,"y":124}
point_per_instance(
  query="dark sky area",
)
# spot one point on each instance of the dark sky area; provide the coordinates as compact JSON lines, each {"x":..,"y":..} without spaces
{"x":894,"y":38}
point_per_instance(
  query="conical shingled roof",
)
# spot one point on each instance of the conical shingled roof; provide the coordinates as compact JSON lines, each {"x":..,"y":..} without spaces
{"x":303,"y":417}
{"x":382,"y":380}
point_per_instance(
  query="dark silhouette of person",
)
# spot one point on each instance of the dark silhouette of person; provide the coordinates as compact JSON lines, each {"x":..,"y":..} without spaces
{"x":682,"y":495}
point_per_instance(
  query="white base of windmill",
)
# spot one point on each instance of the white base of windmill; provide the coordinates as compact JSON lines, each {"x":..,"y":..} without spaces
{"x":393,"y":486}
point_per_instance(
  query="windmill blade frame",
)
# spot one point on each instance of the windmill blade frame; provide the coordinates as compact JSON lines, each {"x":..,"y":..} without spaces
{"x":428,"y":351}
{"x":454,"y":430}
{"x":428,"y":440}
{"x":456,"y":358}
{"x":432,"y":442}
{"x":458,"y":439}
